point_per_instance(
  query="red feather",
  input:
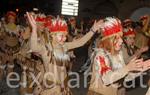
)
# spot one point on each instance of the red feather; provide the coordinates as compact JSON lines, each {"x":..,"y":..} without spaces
{"x":112,"y":30}
{"x":129,"y":32}
{"x":40,"y":19}
{"x":11,"y":13}
{"x":57,"y":25}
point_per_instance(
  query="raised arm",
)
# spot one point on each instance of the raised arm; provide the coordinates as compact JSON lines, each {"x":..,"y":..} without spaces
{"x":34,"y":44}
{"x":81,"y":41}
{"x":37,"y":46}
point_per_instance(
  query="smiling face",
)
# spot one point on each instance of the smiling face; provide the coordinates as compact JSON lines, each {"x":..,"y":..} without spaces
{"x":59,"y":37}
{"x":118,"y":42}
{"x":111,"y":44}
{"x":130,"y":40}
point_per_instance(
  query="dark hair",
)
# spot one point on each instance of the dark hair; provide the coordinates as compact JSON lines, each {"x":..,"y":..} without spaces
{"x":137,"y":24}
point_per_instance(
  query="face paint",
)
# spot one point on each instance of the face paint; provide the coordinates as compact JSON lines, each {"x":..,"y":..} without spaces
{"x":130,"y":41}
{"x":118,"y":42}
{"x":61,"y":38}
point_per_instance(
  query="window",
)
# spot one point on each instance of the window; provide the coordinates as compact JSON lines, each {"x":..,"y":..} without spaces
{"x":70,"y":7}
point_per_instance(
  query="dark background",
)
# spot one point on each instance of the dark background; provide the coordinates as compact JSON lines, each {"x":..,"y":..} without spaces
{"x":87,"y":8}
{"x":46,"y":6}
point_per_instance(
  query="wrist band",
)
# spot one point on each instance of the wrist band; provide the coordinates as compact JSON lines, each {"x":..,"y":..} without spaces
{"x":92,"y":30}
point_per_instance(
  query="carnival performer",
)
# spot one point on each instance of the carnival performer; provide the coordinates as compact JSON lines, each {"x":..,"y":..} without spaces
{"x":129,"y":49}
{"x":142,"y":36}
{"x":10,"y":41}
{"x":72,"y":27}
{"x":54,"y":54}
{"x":30,"y":61}
{"x":109,"y":69}
{"x":127,"y":23}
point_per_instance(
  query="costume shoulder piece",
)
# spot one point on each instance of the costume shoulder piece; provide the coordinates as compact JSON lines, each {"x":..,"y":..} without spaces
{"x":101,"y":62}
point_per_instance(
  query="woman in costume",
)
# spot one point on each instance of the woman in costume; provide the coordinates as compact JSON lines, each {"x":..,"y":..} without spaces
{"x":109,"y":68}
{"x":54,"y":54}
{"x":10,"y":41}
{"x":142,"y":36}
{"x":129,"y":49}
{"x":31,"y":62}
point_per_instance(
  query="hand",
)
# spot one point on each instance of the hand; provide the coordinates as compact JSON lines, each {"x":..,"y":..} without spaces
{"x":97,"y":25}
{"x":144,"y":49}
{"x":31,"y":21}
{"x":135,"y":65}
{"x":140,"y":51}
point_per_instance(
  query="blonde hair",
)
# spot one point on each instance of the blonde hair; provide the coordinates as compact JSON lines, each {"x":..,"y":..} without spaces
{"x":44,"y":35}
{"x":108,"y":44}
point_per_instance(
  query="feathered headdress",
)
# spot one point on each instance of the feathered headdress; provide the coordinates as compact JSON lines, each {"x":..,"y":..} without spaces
{"x":41,"y":18}
{"x":111,"y":27}
{"x":128,"y":31}
{"x":57,"y":25}
{"x":11,"y":13}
